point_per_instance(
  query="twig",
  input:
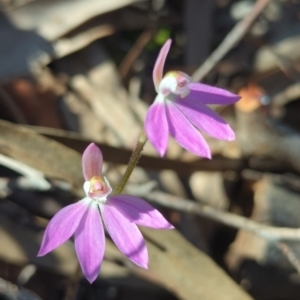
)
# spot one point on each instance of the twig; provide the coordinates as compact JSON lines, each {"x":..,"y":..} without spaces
{"x":232,"y":38}
{"x":34,"y":178}
{"x":290,"y":255}
{"x":9,"y":290}
{"x":135,"y":51}
{"x":72,"y":285}
{"x":291,"y":93}
{"x":120,"y":156}
{"x":285,"y":65}
{"x":271,"y":233}
{"x":13,"y":109}
{"x":66,"y":46}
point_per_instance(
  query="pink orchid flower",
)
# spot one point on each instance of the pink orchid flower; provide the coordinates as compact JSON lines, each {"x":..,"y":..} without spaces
{"x":120,"y":213}
{"x":180,"y":109}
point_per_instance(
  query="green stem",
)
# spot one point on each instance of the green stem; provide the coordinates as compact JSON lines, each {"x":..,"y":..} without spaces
{"x":135,"y":156}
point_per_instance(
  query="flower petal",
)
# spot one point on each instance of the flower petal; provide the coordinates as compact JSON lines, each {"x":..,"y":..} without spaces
{"x":92,"y":161}
{"x":160,"y":62}
{"x":62,"y":226}
{"x":90,"y":242}
{"x":207,"y":94}
{"x":138,"y":211}
{"x":156,"y":126}
{"x":206,"y":119}
{"x":185,"y":133}
{"x":126,"y":235}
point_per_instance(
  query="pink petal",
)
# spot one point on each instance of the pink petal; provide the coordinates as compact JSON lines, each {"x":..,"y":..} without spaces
{"x":138,"y":211}
{"x":207,"y":94}
{"x":156,"y":127}
{"x":206,"y":119}
{"x":92,"y":161}
{"x":185,"y":133}
{"x":90,"y":242}
{"x":160,"y":62}
{"x":126,"y":235}
{"x":62,"y":226}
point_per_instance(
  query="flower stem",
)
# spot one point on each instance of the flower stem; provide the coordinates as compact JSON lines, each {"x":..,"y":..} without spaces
{"x":135,"y":156}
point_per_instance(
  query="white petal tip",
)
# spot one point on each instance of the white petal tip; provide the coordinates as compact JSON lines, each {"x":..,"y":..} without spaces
{"x":231,"y":137}
{"x":91,"y":280}
{"x":42,"y":252}
{"x":161,"y":153}
{"x":143,"y":266}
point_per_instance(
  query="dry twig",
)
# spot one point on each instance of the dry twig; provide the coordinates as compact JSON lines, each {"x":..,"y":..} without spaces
{"x":290,"y":255}
{"x":271,"y":233}
{"x":13,"y":109}
{"x":34,"y":177}
{"x":135,"y":51}
{"x":72,"y":285}
{"x":232,"y":38}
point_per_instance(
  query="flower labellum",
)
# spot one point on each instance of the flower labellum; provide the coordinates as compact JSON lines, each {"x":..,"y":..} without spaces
{"x":120,"y":213}
{"x":180,"y":109}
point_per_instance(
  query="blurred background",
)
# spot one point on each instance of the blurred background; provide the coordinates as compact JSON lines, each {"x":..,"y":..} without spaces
{"x":79,"y":71}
